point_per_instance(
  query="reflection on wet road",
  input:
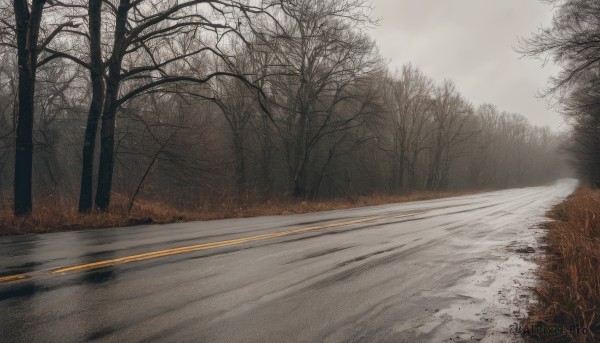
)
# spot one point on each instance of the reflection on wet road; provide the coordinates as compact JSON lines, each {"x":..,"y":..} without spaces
{"x":386,"y":273}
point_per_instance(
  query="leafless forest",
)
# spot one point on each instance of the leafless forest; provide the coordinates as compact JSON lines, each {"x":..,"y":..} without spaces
{"x":184,"y":101}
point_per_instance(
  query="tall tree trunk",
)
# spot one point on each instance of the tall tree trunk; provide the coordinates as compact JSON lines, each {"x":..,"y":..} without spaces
{"x":28,"y":27}
{"x":300,"y":180}
{"x":266,"y":159}
{"x":107,"y":144}
{"x":240,"y":164}
{"x":24,"y":145}
{"x":300,"y":185}
{"x":316,"y":186}
{"x":401,"y":163}
{"x":394,"y":178}
{"x":300,"y":157}
{"x":432,"y":180}
{"x":107,"y":132}
{"x":96,"y":74}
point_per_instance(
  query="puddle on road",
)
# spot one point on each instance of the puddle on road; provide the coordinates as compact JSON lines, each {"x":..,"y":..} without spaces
{"x":483,"y":305}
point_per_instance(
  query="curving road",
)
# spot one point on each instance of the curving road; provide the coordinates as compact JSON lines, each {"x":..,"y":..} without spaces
{"x":431,"y":271}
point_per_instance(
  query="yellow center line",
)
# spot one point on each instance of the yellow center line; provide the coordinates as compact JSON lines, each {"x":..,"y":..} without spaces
{"x":198,"y":247}
{"x":12,"y":278}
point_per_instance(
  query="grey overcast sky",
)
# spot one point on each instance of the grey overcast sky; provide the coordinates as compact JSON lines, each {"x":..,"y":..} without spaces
{"x":471,"y":42}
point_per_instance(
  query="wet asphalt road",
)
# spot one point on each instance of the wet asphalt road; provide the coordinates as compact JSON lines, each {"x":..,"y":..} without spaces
{"x":393,"y":273}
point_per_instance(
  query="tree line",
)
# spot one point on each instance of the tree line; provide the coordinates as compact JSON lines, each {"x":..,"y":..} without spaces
{"x":183,"y":101}
{"x":572,"y":42}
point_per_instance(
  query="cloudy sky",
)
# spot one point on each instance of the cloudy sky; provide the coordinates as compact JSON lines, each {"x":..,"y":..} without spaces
{"x":471,"y":42}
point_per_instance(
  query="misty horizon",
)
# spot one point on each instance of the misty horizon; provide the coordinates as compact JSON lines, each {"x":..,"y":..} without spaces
{"x":471,"y":42}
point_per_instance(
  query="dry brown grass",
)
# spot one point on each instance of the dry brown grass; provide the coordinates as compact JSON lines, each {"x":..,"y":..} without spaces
{"x":569,"y":291}
{"x":59,"y":215}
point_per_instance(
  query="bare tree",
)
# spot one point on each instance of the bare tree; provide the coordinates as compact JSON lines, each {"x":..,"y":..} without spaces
{"x":96,"y":68}
{"x":408,"y":100}
{"x":572,"y":42}
{"x":27,"y":27}
{"x":239,"y":105}
{"x":323,"y":57}
{"x":451,"y":115}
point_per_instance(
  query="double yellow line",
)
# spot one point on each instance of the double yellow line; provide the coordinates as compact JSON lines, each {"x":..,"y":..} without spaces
{"x":198,"y":247}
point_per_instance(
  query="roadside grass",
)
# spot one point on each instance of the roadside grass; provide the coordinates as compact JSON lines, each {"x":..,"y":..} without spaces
{"x":568,"y":294}
{"x":61,"y":215}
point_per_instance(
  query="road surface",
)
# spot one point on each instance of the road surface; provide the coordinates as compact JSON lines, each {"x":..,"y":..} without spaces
{"x":430,"y":271}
